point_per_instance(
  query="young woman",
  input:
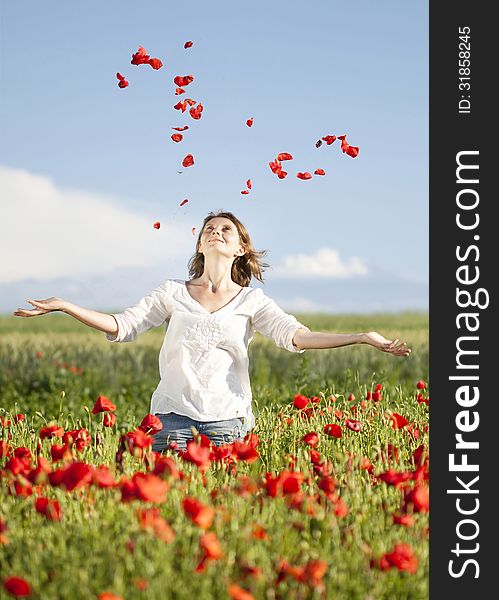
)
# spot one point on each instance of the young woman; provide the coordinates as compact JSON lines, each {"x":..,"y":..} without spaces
{"x":210,"y":321}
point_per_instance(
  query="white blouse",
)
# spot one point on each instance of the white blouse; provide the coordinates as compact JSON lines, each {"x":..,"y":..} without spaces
{"x":203,"y":362}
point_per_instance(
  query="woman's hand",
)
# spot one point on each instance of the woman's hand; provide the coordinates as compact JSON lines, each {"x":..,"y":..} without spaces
{"x":395,"y":347}
{"x":41,"y":307}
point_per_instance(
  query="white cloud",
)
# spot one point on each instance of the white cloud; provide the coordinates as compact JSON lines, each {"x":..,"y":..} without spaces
{"x":325,"y":263}
{"x":47,"y":231}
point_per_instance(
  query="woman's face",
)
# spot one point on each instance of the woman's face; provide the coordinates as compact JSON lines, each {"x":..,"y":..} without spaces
{"x":220,"y":235}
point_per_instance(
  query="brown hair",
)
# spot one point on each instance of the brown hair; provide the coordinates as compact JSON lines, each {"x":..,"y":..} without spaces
{"x":244,"y":267}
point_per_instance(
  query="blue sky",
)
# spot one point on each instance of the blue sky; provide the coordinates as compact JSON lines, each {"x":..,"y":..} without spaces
{"x":87,"y":167}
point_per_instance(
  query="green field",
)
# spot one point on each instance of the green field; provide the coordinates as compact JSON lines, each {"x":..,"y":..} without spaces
{"x":52,"y":370}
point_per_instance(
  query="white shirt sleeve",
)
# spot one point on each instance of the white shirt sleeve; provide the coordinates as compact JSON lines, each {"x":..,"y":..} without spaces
{"x":270,"y":320}
{"x":151,"y":311}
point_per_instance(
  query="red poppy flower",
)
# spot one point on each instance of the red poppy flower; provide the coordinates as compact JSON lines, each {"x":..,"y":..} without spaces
{"x":196,"y":112}
{"x":181,"y":128}
{"x":140,"y":57}
{"x":249,"y":122}
{"x":311,"y":439}
{"x":184,"y":202}
{"x":199,"y":513}
{"x":76,"y":475}
{"x":406,"y":520}
{"x":188,"y":161}
{"x":80,"y":438}
{"x":376,"y":396}
{"x":329,"y":139}
{"x":392,"y":477}
{"x":402,"y":557}
{"x":333,"y":430}
{"x":109,"y":420}
{"x":155,"y":63}
{"x":49,"y":508}
{"x":244,"y":191}
{"x":122,"y":83}
{"x":102,"y":477}
{"x":319,"y":172}
{"x":102,"y":404}
{"x":109,"y":596}
{"x":351,"y":398}
{"x":183,"y":81}
{"x":150,"y":487}
{"x":236,"y":592}
{"x":50,"y":431}
{"x":60,"y":452}
{"x":151,"y":424}
{"x":17,"y":586}
{"x":398,"y":421}
{"x":137,"y":440}
{"x":284,"y":156}
{"x":177,"y":137}
{"x":244,"y":451}
{"x":305,"y":175}
{"x":179,"y":91}
{"x":418,"y":497}
{"x":211,"y":546}
{"x":353,"y":424}
{"x":300,"y":401}
{"x":197,"y":454}
{"x":188,"y":45}
{"x":421,"y":385}
{"x":156,"y":225}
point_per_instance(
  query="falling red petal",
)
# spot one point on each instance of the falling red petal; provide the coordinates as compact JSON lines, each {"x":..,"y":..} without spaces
{"x":181,"y":128}
{"x":157,"y":225}
{"x":155,"y":63}
{"x":140,"y":57}
{"x":195,"y":112}
{"x":305,"y":175}
{"x":177,"y":137}
{"x":244,"y":191}
{"x":284,"y":156}
{"x":184,"y":202}
{"x":249,"y":122}
{"x":248,"y":184}
{"x":281,"y":174}
{"x":123,"y":83}
{"x":329,"y":139}
{"x":319,"y":172}
{"x":352,"y":151}
{"x":181,"y":106}
{"x":183,"y":81}
{"x":318,"y":143}
{"x":188,"y":45}
{"x":342,"y":137}
{"x":179,"y":91}
{"x":190,"y":101}
{"x":188,"y":161}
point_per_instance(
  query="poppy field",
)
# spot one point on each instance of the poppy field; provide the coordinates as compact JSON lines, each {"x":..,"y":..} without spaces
{"x":327,"y":497}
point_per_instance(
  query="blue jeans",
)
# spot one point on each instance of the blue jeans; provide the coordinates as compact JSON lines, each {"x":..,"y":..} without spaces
{"x":177,"y":428}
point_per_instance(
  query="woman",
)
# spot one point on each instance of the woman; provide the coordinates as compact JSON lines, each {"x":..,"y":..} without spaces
{"x":210,"y":321}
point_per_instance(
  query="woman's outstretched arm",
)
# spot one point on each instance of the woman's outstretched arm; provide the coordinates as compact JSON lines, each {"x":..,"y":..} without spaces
{"x":316,"y":340}
{"x":92,"y":318}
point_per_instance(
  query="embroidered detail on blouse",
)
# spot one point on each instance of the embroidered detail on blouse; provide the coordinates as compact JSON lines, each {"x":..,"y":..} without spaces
{"x":205,"y":334}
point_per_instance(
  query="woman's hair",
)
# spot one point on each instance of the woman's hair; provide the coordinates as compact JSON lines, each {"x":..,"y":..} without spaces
{"x":244,"y":267}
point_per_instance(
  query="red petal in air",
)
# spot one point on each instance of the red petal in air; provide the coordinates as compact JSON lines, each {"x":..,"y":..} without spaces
{"x":318,"y":143}
{"x":195,"y":112}
{"x":181,"y":128}
{"x":183,"y":81}
{"x":319,"y":172}
{"x":123,"y":83}
{"x":184,"y":202}
{"x":179,"y":91}
{"x":352,"y":151}
{"x":248,"y":184}
{"x":281,"y":174}
{"x":157,"y":225}
{"x":188,"y":161}
{"x":155,"y":63}
{"x":342,"y":137}
{"x":329,"y":139}
{"x":190,"y":101}
{"x":305,"y":175}
{"x":249,"y":122}
{"x":188,"y":45}
{"x":177,"y":137}
{"x":244,"y":191}
{"x":284,"y":156}
{"x":181,"y":106}
{"x":140,"y":57}
{"x":275,"y":166}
